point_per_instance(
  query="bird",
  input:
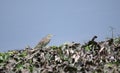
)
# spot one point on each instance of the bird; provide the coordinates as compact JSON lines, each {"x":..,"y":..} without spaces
{"x":44,"y":41}
{"x":94,"y":38}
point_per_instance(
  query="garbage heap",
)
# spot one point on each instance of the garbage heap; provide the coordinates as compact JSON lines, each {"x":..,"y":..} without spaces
{"x":90,"y":57}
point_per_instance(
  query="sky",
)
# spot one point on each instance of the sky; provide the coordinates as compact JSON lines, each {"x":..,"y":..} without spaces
{"x":25,"y":22}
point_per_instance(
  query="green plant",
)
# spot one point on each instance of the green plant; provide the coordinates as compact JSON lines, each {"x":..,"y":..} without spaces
{"x":4,"y":57}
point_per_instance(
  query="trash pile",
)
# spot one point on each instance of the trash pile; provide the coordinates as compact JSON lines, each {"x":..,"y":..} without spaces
{"x":91,"y":57}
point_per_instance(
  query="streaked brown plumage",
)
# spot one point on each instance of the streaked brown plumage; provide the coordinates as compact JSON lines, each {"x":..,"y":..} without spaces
{"x":43,"y":42}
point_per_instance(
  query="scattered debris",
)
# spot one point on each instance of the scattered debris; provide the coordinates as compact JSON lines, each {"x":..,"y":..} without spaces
{"x":92,"y":57}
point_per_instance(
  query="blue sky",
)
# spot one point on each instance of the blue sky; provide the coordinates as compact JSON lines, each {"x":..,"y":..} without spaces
{"x":25,"y":22}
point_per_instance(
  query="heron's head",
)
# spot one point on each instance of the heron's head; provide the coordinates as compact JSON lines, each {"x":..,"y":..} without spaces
{"x":49,"y":35}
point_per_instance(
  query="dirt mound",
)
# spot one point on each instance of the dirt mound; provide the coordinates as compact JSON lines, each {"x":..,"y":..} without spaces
{"x":91,"y":57}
